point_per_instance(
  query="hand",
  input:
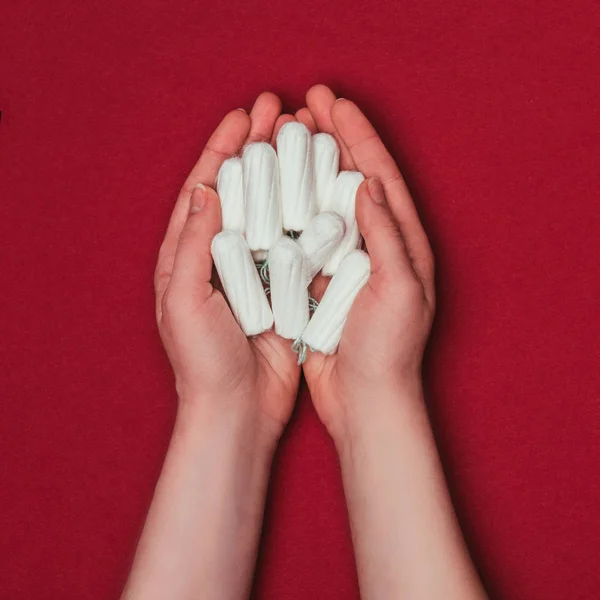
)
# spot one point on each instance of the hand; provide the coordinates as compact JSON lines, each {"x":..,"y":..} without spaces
{"x":216,"y":367}
{"x":380,"y":353}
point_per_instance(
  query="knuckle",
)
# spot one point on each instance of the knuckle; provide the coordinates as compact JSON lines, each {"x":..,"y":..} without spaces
{"x":425,"y":266}
{"x":394,"y":176}
{"x":170,"y":304}
{"x":387,"y":228}
{"x":413,"y":289}
{"x":164,"y":265}
{"x":161,"y":274}
{"x":406,"y":287}
{"x":391,"y":228}
{"x":257,"y":137}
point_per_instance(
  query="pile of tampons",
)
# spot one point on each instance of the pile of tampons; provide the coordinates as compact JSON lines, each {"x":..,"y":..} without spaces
{"x":287,"y":216}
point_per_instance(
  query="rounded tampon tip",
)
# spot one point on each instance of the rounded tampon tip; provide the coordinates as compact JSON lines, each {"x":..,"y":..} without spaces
{"x":293,"y":128}
{"x":325,"y":141}
{"x":230,"y":167}
{"x":329,"y":224}
{"x":226,"y":240}
{"x":230,"y":188}
{"x":258,"y":148}
{"x":349,"y":180}
{"x":286,"y":249}
{"x":356,"y":261}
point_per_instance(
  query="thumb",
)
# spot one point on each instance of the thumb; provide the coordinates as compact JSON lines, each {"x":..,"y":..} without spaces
{"x":192,"y":268}
{"x":380,"y":231}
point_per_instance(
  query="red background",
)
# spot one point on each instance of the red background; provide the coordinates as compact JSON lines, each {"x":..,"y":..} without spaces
{"x":491,"y":109}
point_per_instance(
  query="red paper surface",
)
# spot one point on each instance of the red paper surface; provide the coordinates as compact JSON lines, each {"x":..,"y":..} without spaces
{"x":492,"y":110}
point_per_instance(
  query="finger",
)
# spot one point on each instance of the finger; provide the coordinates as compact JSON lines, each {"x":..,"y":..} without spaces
{"x":305,"y":117}
{"x":320,"y":100}
{"x":226,"y":141}
{"x":263,"y":115}
{"x":192,"y":268}
{"x":383,"y":240}
{"x":373,"y":160}
{"x":281,"y":121}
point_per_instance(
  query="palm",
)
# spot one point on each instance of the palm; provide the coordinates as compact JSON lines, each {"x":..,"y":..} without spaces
{"x":263,"y":367}
{"x":267,"y":358}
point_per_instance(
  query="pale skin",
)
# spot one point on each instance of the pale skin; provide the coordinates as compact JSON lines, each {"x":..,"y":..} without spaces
{"x":236,"y":395}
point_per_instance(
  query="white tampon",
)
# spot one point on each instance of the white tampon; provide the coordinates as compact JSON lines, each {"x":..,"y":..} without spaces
{"x":326,"y":160}
{"x":344,"y":199}
{"x":241,"y":282}
{"x":230,"y":188}
{"x":288,"y":278}
{"x":294,"y":150}
{"x":263,"y":198}
{"x":319,"y":240}
{"x":324,"y":330}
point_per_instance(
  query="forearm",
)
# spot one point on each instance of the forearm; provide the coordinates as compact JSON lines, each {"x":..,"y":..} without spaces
{"x":407,"y":541}
{"x":202,"y":531}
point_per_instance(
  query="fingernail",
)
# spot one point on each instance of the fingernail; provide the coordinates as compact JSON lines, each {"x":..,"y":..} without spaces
{"x":339,"y":99}
{"x":376,"y":190}
{"x":198,"y":198}
{"x":242,"y":110}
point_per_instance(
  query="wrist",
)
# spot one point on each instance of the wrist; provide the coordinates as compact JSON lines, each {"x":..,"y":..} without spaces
{"x":235,"y":424}
{"x":367,"y":413}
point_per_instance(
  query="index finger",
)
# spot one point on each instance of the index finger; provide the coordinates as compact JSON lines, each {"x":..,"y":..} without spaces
{"x":225,"y":142}
{"x":320,"y":100}
{"x":373,"y":160}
